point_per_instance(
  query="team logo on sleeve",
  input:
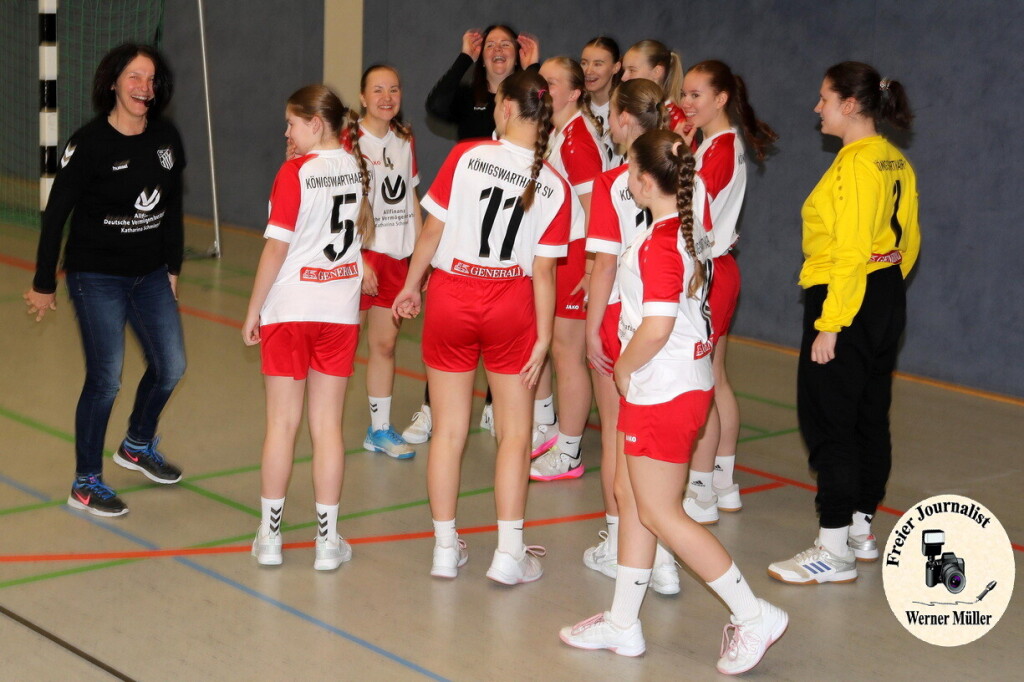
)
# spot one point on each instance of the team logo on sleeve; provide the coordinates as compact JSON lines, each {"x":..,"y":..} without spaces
{"x":147,"y":201}
{"x":69,"y":151}
{"x":166,"y":156}
{"x":393,"y":192}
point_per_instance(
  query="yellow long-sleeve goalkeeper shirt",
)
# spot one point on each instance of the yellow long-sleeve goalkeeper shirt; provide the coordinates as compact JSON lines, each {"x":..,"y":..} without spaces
{"x":861,"y":217}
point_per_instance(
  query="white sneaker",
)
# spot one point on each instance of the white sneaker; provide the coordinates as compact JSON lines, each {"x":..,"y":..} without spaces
{"x":420,"y":428}
{"x":665,"y":578}
{"x":487,"y":418}
{"x":331,"y":553}
{"x":508,"y":570}
{"x":728,"y":498}
{"x":600,"y":558}
{"x":750,"y":639}
{"x":815,"y":565}
{"x":704,"y":513}
{"x":266,"y":547}
{"x":555,"y":465}
{"x":865,"y":547}
{"x":544,"y":437}
{"x":598,"y":632}
{"x":448,"y":560}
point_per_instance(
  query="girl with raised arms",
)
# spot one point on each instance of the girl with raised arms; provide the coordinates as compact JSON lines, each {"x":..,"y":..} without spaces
{"x":664,"y":376}
{"x":304,"y":311}
{"x":715,"y":101}
{"x":493,"y":245}
{"x":575,"y":151}
{"x":387,"y":143}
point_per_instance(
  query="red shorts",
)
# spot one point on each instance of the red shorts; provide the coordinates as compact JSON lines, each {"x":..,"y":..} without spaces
{"x":667,"y":431}
{"x":568,"y":273}
{"x":725,"y":290}
{"x":609,"y":331}
{"x":390,"y":273}
{"x":291,"y":349}
{"x":466,"y":317}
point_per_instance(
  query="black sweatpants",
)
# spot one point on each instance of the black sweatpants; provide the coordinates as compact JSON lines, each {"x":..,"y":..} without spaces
{"x":843,"y":405}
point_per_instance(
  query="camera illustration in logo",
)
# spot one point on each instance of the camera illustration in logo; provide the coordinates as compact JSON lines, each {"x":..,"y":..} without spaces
{"x":947,"y":569}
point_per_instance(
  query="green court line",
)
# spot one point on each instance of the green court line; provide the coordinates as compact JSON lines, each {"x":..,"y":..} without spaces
{"x":67,"y":571}
{"x":210,"y":285}
{"x":773,"y":434}
{"x":766,"y":401}
{"x":219,"y":498}
{"x":758,"y":429}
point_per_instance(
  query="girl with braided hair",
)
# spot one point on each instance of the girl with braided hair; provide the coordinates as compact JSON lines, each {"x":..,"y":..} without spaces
{"x":304,"y":311}
{"x":665,"y":380}
{"x":498,"y":218}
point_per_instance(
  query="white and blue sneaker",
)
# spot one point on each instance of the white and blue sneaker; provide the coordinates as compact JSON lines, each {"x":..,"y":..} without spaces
{"x":814,"y":566}
{"x":389,"y":442}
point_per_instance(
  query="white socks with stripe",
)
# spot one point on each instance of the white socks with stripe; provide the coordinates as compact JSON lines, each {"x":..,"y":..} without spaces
{"x":544,"y":410}
{"x":510,"y":537}
{"x":700,"y":484}
{"x":724,"y":467}
{"x":630,"y":589}
{"x":732,"y":587}
{"x":569,"y":445}
{"x":861,"y":524}
{"x":444,"y":533}
{"x":327,"y":520}
{"x":612,"y":542}
{"x":380,"y":412}
{"x":271,"y":512}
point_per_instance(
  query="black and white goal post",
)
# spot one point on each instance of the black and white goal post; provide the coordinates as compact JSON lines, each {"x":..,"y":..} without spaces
{"x":48,"y":127}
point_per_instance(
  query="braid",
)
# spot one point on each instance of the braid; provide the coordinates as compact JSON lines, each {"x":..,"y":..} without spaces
{"x":684,"y":204}
{"x":364,"y":221}
{"x":540,"y":149}
{"x":588,"y":112}
{"x":402,"y":129}
{"x":663,"y":117}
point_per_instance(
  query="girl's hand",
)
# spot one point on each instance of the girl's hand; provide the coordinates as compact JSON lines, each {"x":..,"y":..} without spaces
{"x":529,"y":50}
{"x":407,"y":304}
{"x":686,"y":130}
{"x":824,"y":347}
{"x":583,"y":284}
{"x":173,"y":279}
{"x":601,"y":363}
{"x":472,"y":43}
{"x":621,"y":377}
{"x":251,"y":330}
{"x":289,"y":150}
{"x":39,"y":303}
{"x":531,"y":370}
{"x":370,"y":286}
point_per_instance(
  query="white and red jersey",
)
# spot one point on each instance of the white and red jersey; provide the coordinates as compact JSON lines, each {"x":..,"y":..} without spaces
{"x":654,"y":276}
{"x":392,"y":161}
{"x":313,"y":208}
{"x":602,"y":112}
{"x":615,"y":219}
{"x":575,"y":151}
{"x":487,"y":234}
{"x":722,"y":168}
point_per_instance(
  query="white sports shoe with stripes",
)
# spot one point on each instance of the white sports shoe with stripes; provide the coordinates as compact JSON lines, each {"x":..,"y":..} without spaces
{"x":814,"y":566}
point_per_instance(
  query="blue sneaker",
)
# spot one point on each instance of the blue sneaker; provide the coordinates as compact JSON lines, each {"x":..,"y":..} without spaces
{"x":89,"y":493}
{"x":389,"y":442}
{"x":148,"y":461}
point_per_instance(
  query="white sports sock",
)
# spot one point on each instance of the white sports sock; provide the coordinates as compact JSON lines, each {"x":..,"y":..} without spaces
{"x":380,"y":412}
{"x":327,"y":520}
{"x":444,"y":533}
{"x":723,"y":471}
{"x":630,"y":589}
{"x":510,"y":537}
{"x":732,"y":587}
{"x":662,"y":556}
{"x":834,"y":540}
{"x":861,"y":524}
{"x":700,"y":484}
{"x":271,"y":512}
{"x":544,"y":410}
{"x":613,"y":533}
{"x":569,"y":445}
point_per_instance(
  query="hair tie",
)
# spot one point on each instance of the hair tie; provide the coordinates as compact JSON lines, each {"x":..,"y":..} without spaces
{"x":675,"y":148}
{"x":540,"y":93}
{"x":883,"y":85}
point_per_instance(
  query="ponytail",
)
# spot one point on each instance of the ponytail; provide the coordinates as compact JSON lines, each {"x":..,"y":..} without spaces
{"x":642,"y":99}
{"x":882,"y":99}
{"x":656,"y":53}
{"x":758,"y":135}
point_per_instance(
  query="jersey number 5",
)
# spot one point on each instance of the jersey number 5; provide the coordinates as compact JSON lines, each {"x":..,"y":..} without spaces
{"x":512,"y":215}
{"x":347,"y":226}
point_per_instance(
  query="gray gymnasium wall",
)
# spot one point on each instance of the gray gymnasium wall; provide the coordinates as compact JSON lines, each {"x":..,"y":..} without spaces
{"x":961,"y":64}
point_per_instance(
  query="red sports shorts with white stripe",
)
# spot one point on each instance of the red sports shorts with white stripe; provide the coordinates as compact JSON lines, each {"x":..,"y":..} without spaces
{"x":291,"y":349}
{"x":467,"y":317}
{"x":667,"y":431}
{"x":568,"y":273}
{"x":725,"y":291}
{"x":390,"y":273}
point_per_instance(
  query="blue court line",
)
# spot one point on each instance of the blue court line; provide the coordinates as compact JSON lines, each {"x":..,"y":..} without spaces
{"x":228,"y":581}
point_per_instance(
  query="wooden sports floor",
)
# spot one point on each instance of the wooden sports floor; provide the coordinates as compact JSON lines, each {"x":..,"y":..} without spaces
{"x":170,"y":592}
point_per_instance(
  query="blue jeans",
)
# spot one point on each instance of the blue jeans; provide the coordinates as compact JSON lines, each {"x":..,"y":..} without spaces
{"x":103,"y":304}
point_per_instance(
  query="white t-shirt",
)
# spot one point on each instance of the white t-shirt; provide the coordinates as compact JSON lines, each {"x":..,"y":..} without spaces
{"x":723,"y":170}
{"x":602,"y":112}
{"x":575,"y":152}
{"x":313,"y":208}
{"x":395,"y":177}
{"x":654,"y":276}
{"x":615,"y":219}
{"x":487,"y":234}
